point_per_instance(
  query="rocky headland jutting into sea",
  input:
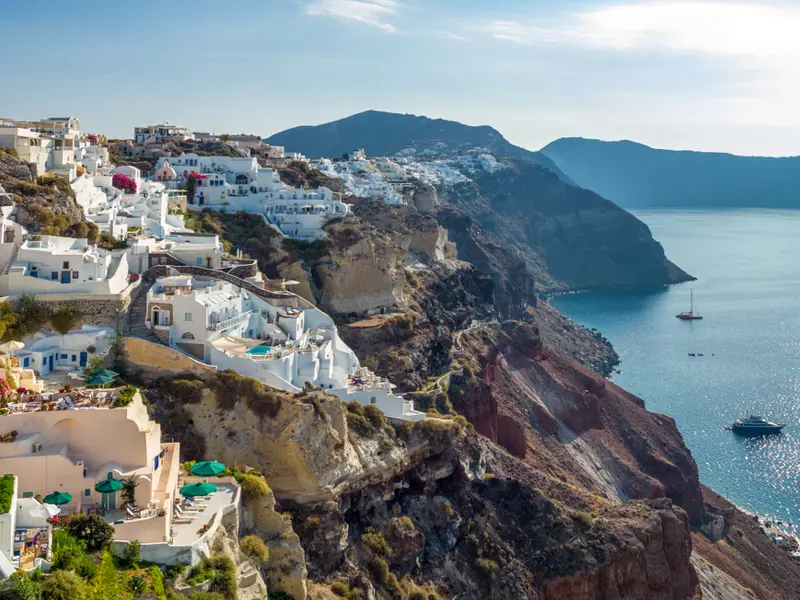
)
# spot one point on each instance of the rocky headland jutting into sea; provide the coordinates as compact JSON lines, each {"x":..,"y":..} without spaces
{"x":519,"y":472}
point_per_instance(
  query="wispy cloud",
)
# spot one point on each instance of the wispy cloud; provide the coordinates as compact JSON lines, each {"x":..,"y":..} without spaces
{"x":715,"y":28}
{"x":377,"y":13}
{"x":450,"y":35}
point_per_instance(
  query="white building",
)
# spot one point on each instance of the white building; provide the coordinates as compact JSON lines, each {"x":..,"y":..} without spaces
{"x":12,"y":234}
{"x":234,"y":183}
{"x":381,"y":179}
{"x":24,"y":523}
{"x":163,"y":132}
{"x":268,"y":339}
{"x":58,"y":265}
{"x":189,"y":248}
{"x":53,"y":352}
{"x":49,"y":144}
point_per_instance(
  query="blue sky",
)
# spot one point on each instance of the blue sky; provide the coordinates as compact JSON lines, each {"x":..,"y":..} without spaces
{"x":688,"y":74}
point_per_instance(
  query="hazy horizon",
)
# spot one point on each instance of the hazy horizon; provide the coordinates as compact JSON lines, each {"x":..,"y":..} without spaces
{"x":681,"y":75}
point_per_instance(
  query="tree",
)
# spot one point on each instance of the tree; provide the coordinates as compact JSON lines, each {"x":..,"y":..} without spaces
{"x":129,"y":486}
{"x":93,"y":530}
{"x":63,"y":585}
{"x":98,"y":363}
{"x":65,"y":320}
{"x":67,"y":550}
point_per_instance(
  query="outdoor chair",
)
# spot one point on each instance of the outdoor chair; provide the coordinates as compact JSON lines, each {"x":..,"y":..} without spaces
{"x":133,"y":514}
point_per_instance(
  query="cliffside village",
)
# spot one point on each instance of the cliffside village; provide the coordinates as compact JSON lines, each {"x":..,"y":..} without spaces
{"x":68,"y":438}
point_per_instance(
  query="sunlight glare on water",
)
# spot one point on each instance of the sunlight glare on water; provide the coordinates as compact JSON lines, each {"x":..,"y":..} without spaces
{"x":748,"y":267}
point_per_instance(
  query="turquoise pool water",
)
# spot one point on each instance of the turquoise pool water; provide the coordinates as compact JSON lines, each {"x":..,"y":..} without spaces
{"x":260,"y":350}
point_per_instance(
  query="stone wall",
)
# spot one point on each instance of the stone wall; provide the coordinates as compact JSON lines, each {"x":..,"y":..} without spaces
{"x":103,"y":313}
{"x":161,"y":334}
{"x":196,"y":350}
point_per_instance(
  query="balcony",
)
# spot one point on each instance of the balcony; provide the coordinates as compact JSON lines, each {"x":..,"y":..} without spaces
{"x":229,"y":323}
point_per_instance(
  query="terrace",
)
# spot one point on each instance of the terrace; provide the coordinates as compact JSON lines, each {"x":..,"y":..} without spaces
{"x":83,"y":399}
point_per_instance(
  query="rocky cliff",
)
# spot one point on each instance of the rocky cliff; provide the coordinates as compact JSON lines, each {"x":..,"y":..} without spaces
{"x":570,"y":238}
{"x":637,"y":176}
{"x":44,"y":202}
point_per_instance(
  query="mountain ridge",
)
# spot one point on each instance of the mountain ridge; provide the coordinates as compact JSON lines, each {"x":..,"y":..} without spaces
{"x":384,"y":133}
{"x":635,"y":175}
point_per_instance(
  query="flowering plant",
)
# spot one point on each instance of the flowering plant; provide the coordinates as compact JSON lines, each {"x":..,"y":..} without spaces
{"x":91,"y":137}
{"x":124,"y":183}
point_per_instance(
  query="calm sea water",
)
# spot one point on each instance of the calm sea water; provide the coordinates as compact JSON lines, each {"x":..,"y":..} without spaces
{"x":748,"y":266}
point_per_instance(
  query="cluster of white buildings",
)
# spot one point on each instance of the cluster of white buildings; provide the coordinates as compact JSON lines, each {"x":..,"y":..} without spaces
{"x":239,"y":183}
{"x":271,"y":338}
{"x":379,"y":179}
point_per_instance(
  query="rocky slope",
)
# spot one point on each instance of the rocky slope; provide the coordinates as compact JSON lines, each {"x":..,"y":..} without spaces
{"x":571,"y":239}
{"x":44,"y":202}
{"x":637,"y":176}
{"x":382,"y":133}
{"x":568,"y":489}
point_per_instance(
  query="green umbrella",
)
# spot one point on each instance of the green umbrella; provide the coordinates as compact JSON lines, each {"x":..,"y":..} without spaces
{"x":208,"y":468}
{"x":201,"y":488}
{"x":108,"y":485}
{"x":107,"y":373}
{"x":100,"y":380}
{"x":58,"y":498}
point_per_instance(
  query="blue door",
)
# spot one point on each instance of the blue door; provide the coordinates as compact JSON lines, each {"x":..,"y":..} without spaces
{"x":66,"y":276}
{"x":84,"y":358}
{"x":50,"y":362}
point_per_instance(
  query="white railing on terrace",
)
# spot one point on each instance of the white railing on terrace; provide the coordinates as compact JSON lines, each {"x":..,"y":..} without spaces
{"x":228,"y":323}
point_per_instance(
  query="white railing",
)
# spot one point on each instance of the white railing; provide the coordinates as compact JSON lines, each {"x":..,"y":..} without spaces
{"x":228,"y":323}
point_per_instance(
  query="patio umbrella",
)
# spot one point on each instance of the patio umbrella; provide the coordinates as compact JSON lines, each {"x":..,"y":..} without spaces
{"x":106,"y":373}
{"x":12,"y":345}
{"x":208,"y":468}
{"x":108,"y":485}
{"x":58,"y":498}
{"x":100,"y":380}
{"x":201,"y":488}
{"x":45,"y":511}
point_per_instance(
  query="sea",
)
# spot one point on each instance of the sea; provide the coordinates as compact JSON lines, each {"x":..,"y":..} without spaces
{"x":747,"y":264}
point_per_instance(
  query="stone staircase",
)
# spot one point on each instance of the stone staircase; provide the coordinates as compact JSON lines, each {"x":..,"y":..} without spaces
{"x":137,"y":315}
{"x":12,"y":258}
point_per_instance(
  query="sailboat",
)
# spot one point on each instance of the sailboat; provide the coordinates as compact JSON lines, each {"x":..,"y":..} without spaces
{"x":690,"y":315}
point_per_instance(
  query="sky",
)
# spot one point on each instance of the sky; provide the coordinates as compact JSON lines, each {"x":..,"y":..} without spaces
{"x":678,"y":74}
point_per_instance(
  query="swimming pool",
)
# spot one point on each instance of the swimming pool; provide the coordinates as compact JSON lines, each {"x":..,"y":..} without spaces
{"x":260,"y":350}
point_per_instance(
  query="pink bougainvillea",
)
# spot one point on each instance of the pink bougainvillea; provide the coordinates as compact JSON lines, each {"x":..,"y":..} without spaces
{"x":91,"y":137}
{"x":196,"y":176}
{"x":124,"y":183}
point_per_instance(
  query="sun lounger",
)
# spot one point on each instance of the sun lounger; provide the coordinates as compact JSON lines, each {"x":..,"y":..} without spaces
{"x":134,"y":514}
{"x":185,"y":513}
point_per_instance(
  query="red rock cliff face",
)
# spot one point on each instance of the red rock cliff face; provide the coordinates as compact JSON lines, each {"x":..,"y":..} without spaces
{"x":574,"y":424}
{"x":647,"y":556}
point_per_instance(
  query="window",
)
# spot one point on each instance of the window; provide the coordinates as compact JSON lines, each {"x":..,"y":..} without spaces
{"x":64,"y":356}
{"x":87,"y":492}
{"x":65,"y":264}
{"x":27,"y":494}
{"x":54,"y":275}
{"x":187,"y":336}
{"x":74,"y":357}
{"x":187,"y":317}
{"x":75,"y":274}
{"x":372,"y":400}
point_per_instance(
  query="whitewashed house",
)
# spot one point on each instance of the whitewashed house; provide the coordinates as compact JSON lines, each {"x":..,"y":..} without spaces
{"x":162,"y":132}
{"x":12,"y":234}
{"x":273,"y":340}
{"x":73,"y":351}
{"x":235,"y":183}
{"x":189,"y":248}
{"x":59,"y":265}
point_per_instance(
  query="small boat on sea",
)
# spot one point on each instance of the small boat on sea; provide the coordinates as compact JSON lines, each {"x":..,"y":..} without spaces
{"x":690,"y":315}
{"x":755,"y":426}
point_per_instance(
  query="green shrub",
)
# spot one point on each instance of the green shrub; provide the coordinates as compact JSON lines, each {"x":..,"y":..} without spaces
{"x":64,"y":585}
{"x":133,"y":554}
{"x":375,"y":541}
{"x":253,"y":486}
{"x":375,"y":416}
{"x":92,"y":529}
{"x":65,"y":320}
{"x":68,"y":551}
{"x":404,"y":522}
{"x":355,"y":407}
{"x":341,"y":589}
{"x":188,"y":391}
{"x":380,"y":570}
{"x":125,"y":397}
{"x":255,"y":549}
{"x":359,"y":424}
{"x":6,"y":493}
{"x":224,"y":581}
{"x":488,"y":568}
{"x":232,"y":388}
{"x":156,"y":578}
